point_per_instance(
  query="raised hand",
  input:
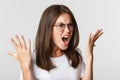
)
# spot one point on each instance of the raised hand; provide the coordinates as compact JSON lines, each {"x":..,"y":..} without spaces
{"x":23,"y":55}
{"x":88,"y":75}
{"x":91,"y":42}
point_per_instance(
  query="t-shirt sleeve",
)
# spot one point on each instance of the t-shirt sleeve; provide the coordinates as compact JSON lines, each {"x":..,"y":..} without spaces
{"x":37,"y":77}
{"x":81,"y":65}
{"x":21,"y":76}
{"x":82,"y":69}
{"x":40,"y":74}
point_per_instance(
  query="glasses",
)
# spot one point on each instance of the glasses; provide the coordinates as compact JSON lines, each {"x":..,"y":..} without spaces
{"x":62,"y":26}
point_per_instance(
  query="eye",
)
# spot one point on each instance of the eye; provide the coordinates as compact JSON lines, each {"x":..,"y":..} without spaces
{"x":61,"y":25}
{"x":70,"y":24}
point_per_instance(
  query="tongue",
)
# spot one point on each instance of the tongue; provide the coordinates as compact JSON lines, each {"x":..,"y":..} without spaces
{"x":65,"y":40}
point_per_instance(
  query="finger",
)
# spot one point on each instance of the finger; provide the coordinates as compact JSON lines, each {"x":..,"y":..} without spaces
{"x":98,"y":35}
{"x":92,"y":38}
{"x":23,"y":41}
{"x":29,"y":44}
{"x":89,"y":40}
{"x":18,"y":41}
{"x":13,"y":43}
{"x":92,"y":41}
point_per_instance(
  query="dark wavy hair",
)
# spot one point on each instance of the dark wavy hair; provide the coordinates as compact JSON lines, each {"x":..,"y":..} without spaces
{"x":43,"y":40}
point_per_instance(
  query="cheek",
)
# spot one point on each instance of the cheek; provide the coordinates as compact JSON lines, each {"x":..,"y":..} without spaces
{"x":71,"y":33}
{"x":56,"y":36}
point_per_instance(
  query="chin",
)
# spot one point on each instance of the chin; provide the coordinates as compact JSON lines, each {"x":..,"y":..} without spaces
{"x":64,"y":48}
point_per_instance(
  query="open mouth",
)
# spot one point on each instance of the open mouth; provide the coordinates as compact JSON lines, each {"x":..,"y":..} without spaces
{"x":65,"y":39}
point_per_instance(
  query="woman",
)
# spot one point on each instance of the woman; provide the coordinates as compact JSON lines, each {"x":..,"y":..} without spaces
{"x":56,"y":55}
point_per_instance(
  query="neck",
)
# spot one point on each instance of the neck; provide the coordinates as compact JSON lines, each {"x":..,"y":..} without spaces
{"x":57,"y":52}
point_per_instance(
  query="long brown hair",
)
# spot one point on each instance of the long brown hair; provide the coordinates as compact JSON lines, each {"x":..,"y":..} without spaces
{"x":43,"y":42}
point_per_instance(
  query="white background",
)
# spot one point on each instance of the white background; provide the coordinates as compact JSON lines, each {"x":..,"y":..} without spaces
{"x":22,"y":17}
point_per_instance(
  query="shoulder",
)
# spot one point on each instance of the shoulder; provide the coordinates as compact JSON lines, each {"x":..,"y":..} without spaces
{"x":80,"y":52}
{"x":39,"y":72}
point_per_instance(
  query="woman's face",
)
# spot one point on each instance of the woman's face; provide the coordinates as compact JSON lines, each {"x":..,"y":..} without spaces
{"x":62,"y":32}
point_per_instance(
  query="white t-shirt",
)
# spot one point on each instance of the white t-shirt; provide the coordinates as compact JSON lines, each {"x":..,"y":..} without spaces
{"x":63,"y":70}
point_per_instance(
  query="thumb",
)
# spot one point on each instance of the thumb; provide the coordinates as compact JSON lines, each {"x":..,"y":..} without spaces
{"x":12,"y":54}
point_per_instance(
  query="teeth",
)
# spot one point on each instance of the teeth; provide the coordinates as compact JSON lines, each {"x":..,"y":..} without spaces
{"x":65,"y":36}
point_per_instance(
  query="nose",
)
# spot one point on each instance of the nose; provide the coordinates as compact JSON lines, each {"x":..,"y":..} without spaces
{"x":67,"y":30}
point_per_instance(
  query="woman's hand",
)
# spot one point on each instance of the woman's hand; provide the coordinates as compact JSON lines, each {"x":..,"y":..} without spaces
{"x":91,"y":42}
{"x":88,"y":75}
{"x":23,"y":55}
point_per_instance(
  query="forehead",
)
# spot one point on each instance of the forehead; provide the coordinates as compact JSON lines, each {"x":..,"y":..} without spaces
{"x":64,"y":18}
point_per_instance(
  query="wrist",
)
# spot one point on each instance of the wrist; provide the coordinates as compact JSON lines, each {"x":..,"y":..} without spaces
{"x":24,"y":67}
{"x":89,"y":60}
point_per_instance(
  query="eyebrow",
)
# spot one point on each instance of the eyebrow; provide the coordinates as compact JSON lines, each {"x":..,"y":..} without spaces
{"x":63,"y":23}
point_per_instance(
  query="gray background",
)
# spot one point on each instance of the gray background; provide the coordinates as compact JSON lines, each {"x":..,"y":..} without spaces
{"x":22,"y":17}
